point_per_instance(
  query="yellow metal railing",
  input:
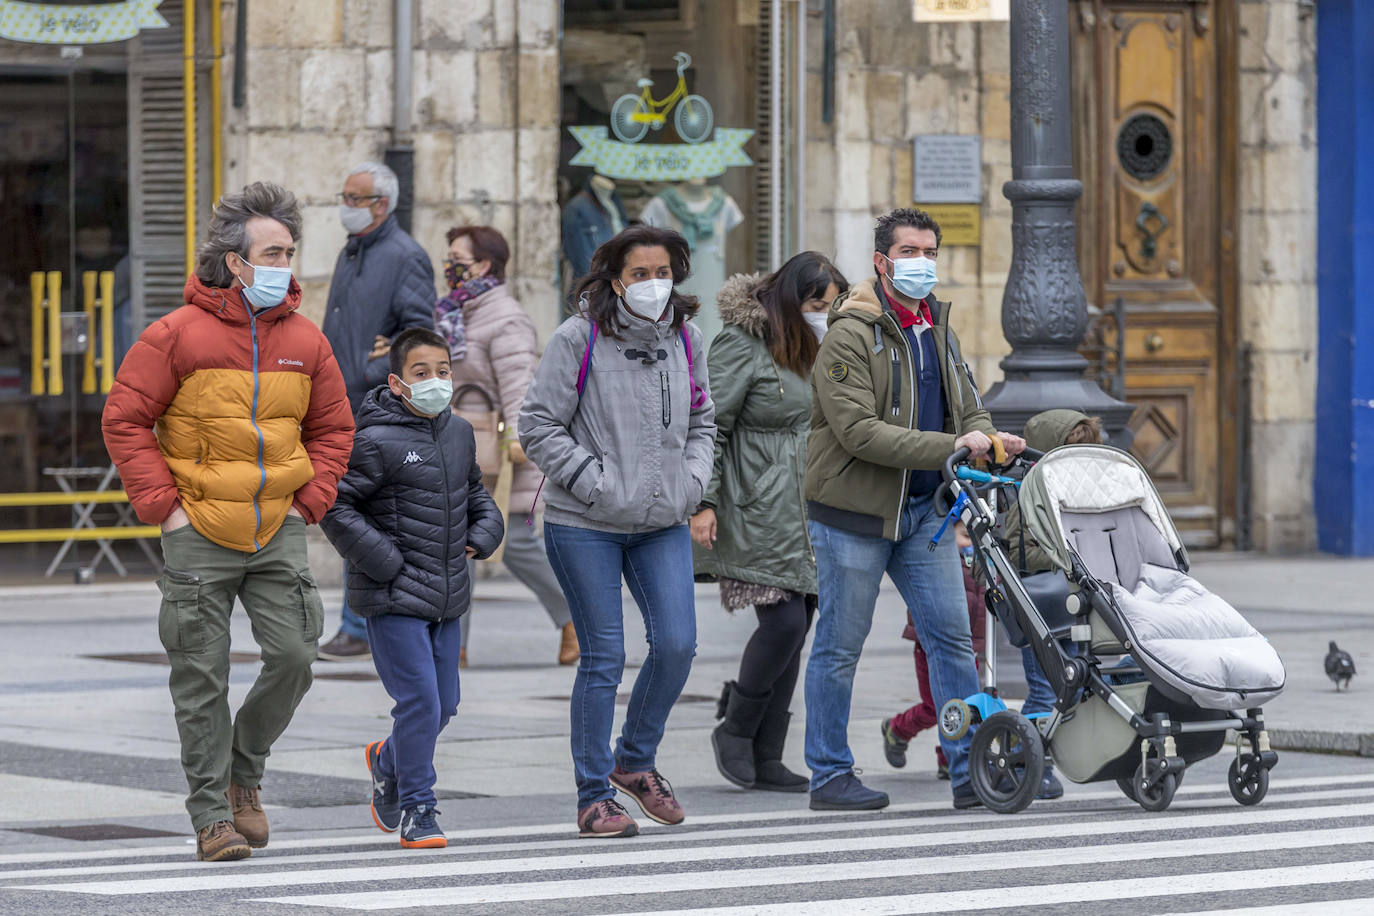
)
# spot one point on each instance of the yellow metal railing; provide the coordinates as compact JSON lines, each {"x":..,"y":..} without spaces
{"x":76,"y":498}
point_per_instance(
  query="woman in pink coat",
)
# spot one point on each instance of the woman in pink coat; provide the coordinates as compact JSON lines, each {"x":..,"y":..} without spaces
{"x":494,"y":348}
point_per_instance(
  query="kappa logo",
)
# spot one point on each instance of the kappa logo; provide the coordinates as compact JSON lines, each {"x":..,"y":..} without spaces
{"x":290,"y":362}
{"x":412,"y":458}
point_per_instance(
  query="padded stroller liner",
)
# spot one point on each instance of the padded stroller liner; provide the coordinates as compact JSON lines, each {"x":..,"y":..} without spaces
{"x":1198,"y":644}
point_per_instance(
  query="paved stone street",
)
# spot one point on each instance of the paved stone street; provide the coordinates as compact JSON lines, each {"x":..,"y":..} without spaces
{"x":91,"y":791}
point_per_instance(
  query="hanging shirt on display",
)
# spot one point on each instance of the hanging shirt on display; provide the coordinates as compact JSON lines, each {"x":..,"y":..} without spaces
{"x":704,"y":216}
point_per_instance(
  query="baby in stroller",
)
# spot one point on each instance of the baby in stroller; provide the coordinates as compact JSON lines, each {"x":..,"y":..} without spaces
{"x":1093,"y":515}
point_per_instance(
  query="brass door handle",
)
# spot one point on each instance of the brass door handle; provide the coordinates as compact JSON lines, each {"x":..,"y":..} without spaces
{"x":1154,"y":343}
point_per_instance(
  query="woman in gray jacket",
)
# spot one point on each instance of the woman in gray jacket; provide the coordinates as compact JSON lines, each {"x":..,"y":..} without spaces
{"x":620,"y":419}
{"x":752,"y":524}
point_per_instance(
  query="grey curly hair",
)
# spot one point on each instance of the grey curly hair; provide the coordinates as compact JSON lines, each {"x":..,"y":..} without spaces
{"x":228,"y":229}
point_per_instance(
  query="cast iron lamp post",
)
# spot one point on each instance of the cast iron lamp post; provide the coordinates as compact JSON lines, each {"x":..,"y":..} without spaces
{"x":1044,"y":311}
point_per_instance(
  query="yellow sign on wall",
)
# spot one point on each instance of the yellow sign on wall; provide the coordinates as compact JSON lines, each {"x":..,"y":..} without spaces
{"x":960,"y":224}
{"x":960,"y":10}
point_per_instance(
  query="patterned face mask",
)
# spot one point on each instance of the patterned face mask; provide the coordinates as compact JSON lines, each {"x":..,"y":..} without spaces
{"x":455,"y":272}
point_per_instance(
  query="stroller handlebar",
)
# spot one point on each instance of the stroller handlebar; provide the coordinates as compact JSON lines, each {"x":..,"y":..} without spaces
{"x":960,"y":455}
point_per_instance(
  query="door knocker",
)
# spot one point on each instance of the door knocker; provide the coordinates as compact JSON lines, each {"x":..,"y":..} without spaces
{"x":1149,"y":213}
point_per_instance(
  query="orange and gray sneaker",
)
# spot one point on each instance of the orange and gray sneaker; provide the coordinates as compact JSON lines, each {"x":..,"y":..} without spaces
{"x":386,"y":802}
{"x":249,"y":818}
{"x":220,"y":842}
{"x":420,"y":829}
{"x":652,"y":792}
{"x":605,"y":820}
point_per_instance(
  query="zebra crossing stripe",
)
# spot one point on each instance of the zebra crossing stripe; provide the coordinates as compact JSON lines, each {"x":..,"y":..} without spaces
{"x":1280,"y":790}
{"x":1002,"y":859}
{"x":677,"y":836}
{"x":632,"y":858}
{"x":1325,"y":907}
{"x":1071,"y":893}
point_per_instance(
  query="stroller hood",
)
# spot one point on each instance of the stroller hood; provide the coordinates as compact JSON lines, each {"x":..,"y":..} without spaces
{"x":1088,"y":478}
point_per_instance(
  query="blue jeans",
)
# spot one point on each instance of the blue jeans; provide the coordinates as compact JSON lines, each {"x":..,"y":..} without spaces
{"x":657,"y":565}
{"x":350,"y":624}
{"x":1039,"y":694}
{"x":417,"y":661}
{"x":851,"y":567}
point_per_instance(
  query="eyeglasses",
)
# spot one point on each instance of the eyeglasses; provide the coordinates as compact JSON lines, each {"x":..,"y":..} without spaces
{"x":353,"y":200}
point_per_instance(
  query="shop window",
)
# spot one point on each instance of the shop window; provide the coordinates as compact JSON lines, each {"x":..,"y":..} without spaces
{"x":591,"y":12}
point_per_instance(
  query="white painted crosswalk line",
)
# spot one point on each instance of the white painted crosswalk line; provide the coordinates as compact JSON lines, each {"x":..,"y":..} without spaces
{"x":272,"y":858}
{"x":435,"y":868}
{"x":1049,"y":894}
{"x":1347,"y":786}
{"x":1347,"y":906}
{"x":828,"y":873}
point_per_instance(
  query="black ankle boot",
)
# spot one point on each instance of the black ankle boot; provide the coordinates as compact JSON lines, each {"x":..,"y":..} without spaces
{"x":769,"y":773}
{"x":733,"y":739}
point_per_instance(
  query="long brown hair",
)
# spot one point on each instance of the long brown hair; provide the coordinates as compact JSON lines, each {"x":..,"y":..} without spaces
{"x":790,"y":339}
{"x":596,"y":298}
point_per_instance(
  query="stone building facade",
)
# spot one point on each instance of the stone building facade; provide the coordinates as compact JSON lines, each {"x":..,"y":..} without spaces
{"x":487,"y":141}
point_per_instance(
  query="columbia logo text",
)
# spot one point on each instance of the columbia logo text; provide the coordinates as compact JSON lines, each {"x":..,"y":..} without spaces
{"x":290,"y":362}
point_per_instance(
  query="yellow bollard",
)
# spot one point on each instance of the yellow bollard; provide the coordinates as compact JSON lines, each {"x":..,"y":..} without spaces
{"x":106,"y":330}
{"x":36,"y":364}
{"x":54,"y":332}
{"x":88,"y":297}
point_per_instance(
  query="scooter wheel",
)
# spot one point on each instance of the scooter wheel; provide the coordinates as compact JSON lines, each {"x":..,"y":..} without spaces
{"x":956,"y":718}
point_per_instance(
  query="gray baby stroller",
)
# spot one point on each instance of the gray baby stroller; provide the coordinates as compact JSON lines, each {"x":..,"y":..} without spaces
{"x":1149,"y":669}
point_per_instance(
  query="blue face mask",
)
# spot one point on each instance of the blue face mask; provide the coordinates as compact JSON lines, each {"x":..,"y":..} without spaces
{"x":269,"y":288}
{"x":914,"y":277}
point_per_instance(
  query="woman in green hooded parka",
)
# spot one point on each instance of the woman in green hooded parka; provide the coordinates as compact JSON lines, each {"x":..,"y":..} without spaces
{"x":751,"y":528}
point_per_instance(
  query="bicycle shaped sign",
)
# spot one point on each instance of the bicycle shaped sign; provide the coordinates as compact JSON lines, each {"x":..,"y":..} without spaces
{"x":632,"y":115}
{"x":706,"y":151}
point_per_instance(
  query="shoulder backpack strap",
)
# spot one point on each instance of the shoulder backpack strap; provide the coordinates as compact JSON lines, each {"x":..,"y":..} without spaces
{"x":586,"y":363}
{"x":698,"y":393}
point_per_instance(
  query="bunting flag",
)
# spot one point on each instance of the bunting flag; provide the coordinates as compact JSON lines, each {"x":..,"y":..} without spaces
{"x":89,"y":24}
{"x":661,"y":161}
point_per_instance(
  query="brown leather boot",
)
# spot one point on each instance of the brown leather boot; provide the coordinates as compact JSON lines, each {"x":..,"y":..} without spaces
{"x":249,"y":818}
{"x":220,"y":842}
{"x":568,"y":653}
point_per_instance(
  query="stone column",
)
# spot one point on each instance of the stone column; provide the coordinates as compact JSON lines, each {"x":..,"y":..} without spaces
{"x":1044,"y":311}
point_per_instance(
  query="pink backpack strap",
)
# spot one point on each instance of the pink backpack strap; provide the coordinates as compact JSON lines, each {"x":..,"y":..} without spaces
{"x":587,"y":363}
{"x":698,"y":393}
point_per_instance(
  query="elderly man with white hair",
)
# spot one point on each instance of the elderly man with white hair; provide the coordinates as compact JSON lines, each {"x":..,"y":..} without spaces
{"x":383,"y":283}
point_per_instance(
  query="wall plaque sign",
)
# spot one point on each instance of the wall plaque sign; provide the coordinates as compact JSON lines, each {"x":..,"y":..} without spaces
{"x":960,"y":10}
{"x":948,"y":169}
{"x":87,"y":24}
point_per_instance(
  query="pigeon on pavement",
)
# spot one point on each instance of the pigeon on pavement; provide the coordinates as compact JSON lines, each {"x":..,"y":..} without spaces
{"x":1339,"y":666}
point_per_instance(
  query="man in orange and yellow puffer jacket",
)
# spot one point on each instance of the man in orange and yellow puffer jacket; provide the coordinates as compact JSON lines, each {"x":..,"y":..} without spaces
{"x":230,"y":426}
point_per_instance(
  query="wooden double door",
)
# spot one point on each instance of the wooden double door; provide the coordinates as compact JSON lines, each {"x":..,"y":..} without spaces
{"x":1155,"y":147}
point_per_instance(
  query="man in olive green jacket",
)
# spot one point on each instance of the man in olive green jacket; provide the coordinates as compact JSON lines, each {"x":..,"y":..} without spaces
{"x":893,"y":399}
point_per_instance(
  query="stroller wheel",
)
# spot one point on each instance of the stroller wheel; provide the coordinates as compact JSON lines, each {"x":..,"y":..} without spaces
{"x":956,"y":717}
{"x":1158,"y":796}
{"x":1006,"y":762}
{"x":1248,"y":781}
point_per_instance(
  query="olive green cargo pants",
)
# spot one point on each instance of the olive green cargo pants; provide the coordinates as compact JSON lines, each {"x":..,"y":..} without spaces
{"x":199,"y":584}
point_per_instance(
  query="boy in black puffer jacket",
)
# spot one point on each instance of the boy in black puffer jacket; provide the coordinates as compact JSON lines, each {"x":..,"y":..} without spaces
{"x":411,"y":510}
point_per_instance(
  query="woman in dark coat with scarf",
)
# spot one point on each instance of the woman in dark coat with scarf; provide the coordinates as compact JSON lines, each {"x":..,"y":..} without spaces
{"x":751,"y":529}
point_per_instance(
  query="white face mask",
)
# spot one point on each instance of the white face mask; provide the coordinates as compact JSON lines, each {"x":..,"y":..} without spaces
{"x":649,"y":298}
{"x":819,"y":321}
{"x":354,"y":219}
